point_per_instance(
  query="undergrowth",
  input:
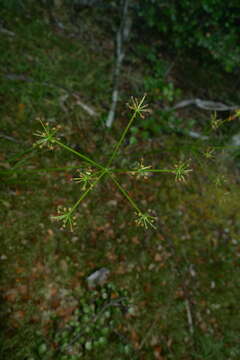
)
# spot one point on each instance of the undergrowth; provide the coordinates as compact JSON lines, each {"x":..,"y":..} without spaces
{"x":175,"y":288}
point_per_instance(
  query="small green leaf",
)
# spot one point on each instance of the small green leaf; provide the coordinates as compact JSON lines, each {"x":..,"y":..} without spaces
{"x":88,"y":345}
{"x":42,"y":349}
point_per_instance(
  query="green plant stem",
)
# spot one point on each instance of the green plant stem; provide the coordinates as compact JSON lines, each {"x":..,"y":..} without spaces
{"x":84,"y":157}
{"x":125,"y":171}
{"x":134,"y":205}
{"x":13,"y":158}
{"x":24,"y":170}
{"x":116,"y":148}
{"x":87,"y":191}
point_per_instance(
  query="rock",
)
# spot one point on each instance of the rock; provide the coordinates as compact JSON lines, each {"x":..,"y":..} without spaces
{"x":98,"y":277}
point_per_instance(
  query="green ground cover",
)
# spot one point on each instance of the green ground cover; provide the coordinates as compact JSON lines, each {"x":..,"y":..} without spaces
{"x":180,"y":281}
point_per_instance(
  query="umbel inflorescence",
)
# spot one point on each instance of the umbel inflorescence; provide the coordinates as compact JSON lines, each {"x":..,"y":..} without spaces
{"x":94,"y":172}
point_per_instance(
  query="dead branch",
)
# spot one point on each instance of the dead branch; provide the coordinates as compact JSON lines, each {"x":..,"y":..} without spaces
{"x":88,"y":109}
{"x":121,"y":37}
{"x":6,"y":32}
{"x":189,"y":316}
{"x":205,"y":105}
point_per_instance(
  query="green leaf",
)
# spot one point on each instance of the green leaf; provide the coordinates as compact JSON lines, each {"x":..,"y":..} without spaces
{"x":88,"y":345}
{"x":42,"y":349}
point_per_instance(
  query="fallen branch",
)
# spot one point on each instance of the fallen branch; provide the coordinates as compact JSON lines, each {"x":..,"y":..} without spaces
{"x":189,"y":316}
{"x":8,"y":138}
{"x":85,"y":107}
{"x":121,"y":37}
{"x":205,"y":105}
{"x":20,"y":77}
{"x":6,"y":32}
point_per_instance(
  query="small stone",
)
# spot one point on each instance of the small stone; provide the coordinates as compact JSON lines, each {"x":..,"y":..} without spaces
{"x":98,"y":277}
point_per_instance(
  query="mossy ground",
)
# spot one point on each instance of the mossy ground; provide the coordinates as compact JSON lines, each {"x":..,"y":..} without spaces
{"x":187,"y":269}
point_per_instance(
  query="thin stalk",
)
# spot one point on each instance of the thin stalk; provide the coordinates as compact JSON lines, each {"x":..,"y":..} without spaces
{"x":13,"y":158}
{"x":87,"y":191}
{"x":134,"y":205}
{"x":125,"y":171}
{"x":116,"y":148}
{"x":86,"y":158}
{"x":36,"y":170}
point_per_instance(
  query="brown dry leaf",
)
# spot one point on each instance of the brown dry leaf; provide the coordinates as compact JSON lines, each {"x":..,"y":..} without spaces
{"x":65,"y":312}
{"x":39,"y":267}
{"x":135,"y":338}
{"x":121,"y":269}
{"x":11,"y":295}
{"x":35,"y":319}
{"x":23,"y":289}
{"x":20,"y":270}
{"x":55,"y":303}
{"x":54,"y":291}
{"x":64,"y":265}
{"x":147,"y":287}
{"x":18,"y":192}
{"x":18,"y":315}
{"x":21,"y":108}
{"x":157,"y":353}
{"x":135,"y":240}
{"x":158,"y":257}
{"x":111,"y":256}
{"x":114,"y":295}
{"x":160,"y":237}
{"x":179,"y":294}
{"x":50,"y":232}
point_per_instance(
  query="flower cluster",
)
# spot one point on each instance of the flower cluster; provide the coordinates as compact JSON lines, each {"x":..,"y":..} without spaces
{"x":209,"y":153}
{"x":215,"y":122}
{"x":141,"y":171}
{"x":145,"y":220}
{"x":47,"y":135}
{"x":66,"y":217}
{"x":181,"y":171}
{"x":86,"y":178}
{"x":91,"y":175}
{"x":138,"y":106}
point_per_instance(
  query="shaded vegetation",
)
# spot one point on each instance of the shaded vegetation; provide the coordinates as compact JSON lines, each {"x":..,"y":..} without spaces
{"x":181,"y":281}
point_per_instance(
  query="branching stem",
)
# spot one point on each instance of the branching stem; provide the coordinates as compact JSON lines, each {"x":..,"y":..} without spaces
{"x":124,"y":192}
{"x":116,"y":148}
{"x":84,"y":157}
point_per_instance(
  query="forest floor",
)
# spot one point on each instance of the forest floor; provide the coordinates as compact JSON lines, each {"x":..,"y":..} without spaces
{"x":181,"y":281}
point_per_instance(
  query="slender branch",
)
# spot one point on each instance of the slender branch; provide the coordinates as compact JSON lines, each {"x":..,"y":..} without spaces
{"x":124,"y":192}
{"x":121,"y":139}
{"x":189,"y":316}
{"x":121,"y":36}
{"x":84,"y":157}
{"x":87,"y":191}
{"x":205,"y":105}
{"x":126,"y":171}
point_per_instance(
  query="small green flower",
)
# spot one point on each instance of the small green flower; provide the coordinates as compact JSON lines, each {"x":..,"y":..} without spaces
{"x":47,"y":136}
{"x":86,"y":178}
{"x":181,"y":170}
{"x":235,"y":116}
{"x":237,"y":113}
{"x":138,"y":106}
{"x":220,"y":180}
{"x":209,"y":153}
{"x":215,"y":122}
{"x":145,"y":220}
{"x":66,"y":217}
{"x":141,"y":171}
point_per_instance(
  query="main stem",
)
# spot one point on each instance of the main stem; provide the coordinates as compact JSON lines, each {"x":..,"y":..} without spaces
{"x":84,"y":157}
{"x":121,"y":140}
{"x":134,"y":205}
{"x":126,"y":171}
{"x":87,"y":191}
